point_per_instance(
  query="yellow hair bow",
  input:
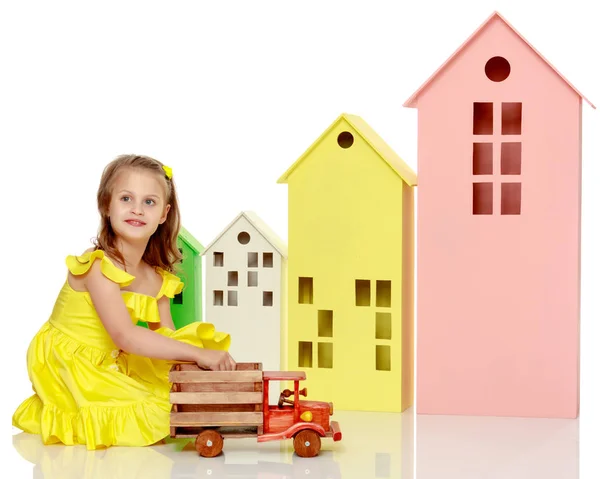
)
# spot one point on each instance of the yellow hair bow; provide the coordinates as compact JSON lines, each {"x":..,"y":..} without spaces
{"x":168,"y":171}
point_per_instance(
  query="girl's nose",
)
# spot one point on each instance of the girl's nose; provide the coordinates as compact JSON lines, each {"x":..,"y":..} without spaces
{"x":137,"y":209}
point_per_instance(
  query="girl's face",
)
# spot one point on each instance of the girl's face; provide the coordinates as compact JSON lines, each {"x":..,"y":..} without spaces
{"x":138,"y":204}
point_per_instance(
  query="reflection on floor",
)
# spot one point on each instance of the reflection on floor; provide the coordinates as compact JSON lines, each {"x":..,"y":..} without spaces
{"x":374,"y":445}
{"x":494,"y":447}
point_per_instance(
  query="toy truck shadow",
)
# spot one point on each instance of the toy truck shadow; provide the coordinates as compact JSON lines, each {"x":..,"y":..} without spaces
{"x":213,"y":405}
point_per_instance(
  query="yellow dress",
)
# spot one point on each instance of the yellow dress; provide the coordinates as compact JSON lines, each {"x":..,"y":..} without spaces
{"x":89,"y":392}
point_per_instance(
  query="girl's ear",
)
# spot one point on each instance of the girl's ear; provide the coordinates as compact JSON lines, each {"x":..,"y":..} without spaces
{"x":164,"y":216}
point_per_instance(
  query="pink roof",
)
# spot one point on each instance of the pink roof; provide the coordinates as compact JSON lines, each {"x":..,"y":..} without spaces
{"x":412,"y":101}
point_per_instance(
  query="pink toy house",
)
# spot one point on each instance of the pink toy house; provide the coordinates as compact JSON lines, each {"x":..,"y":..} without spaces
{"x":498,"y":232}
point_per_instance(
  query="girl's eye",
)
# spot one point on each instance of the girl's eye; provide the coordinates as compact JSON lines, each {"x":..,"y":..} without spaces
{"x":150,"y":202}
{"x":125,"y":198}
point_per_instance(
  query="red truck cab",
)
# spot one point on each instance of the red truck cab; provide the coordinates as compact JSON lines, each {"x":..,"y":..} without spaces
{"x":305,"y":421}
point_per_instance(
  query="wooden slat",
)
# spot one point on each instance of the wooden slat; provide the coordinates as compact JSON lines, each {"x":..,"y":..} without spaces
{"x":284,"y":375}
{"x":219,"y":387}
{"x":216,"y":398}
{"x":234,"y":433}
{"x":216,"y":419}
{"x":214,"y":376}
{"x":216,"y":407}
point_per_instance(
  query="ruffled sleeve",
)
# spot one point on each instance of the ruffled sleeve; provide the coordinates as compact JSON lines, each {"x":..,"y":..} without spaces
{"x":171,"y":286}
{"x":79,"y":265}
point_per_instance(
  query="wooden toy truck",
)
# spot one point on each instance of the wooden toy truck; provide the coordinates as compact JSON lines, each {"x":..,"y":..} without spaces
{"x":213,"y":405}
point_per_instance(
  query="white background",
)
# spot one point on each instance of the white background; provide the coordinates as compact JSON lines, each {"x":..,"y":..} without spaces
{"x":230,"y":94}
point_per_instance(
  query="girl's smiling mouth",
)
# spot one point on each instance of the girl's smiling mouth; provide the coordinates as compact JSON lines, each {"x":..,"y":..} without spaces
{"x":135,"y":222}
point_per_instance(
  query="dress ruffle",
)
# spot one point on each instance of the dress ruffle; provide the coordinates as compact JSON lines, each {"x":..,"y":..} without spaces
{"x":79,"y":265}
{"x":141,"y":307}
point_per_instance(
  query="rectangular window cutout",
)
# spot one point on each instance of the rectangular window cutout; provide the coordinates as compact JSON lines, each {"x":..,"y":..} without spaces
{"x":218,"y":298}
{"x":232,"y":298}
{"x":383,"y":294}
{"x":267,"y":298}
{"x":232,"y":278}
{"x":383,"y":325}
{"x":325,"y":355}
{"x":305,"y":290}
{"x":267,"y":260}
{"x":483,"y":198}
{"x":305,"y":354}
{"x":363,"y":292}
{"x":510,"y":158}
{"x":252,"y":278}
{"x":511,"y":118}
{"x":325,"y":323}
{"x":178,"y":298}
{"x":252,"y":260}
{"x":511,"y":198}
{"x":383,"y":358}
{"x":218,"y":259}
{"x":483,"y":158}
{"x":483,"y":118}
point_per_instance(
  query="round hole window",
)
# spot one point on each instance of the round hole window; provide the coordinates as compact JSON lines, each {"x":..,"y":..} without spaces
{"x":497,"y":69}
{"x":345,"y":139}
{"x":244,"y":237}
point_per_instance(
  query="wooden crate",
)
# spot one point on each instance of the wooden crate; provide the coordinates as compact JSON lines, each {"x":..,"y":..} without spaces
{"x":229,"y":401}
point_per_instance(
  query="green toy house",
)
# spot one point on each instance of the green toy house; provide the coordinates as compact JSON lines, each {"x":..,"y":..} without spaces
{"x":186,"y":307}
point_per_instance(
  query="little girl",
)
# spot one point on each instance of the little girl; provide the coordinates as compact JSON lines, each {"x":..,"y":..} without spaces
{"x":99,"y":379}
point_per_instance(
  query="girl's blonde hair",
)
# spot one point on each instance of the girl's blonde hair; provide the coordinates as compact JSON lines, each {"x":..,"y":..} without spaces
{"x":161,"y":250}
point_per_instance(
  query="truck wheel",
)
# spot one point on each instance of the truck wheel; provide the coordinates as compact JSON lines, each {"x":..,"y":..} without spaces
{"x":307,"y":443}
{"x":209,"y":443}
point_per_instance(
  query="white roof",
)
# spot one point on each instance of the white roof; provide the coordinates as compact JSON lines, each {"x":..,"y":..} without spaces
{"x":267,"y":233}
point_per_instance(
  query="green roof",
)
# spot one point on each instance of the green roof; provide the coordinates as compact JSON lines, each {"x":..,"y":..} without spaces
{"x":192,"y":242}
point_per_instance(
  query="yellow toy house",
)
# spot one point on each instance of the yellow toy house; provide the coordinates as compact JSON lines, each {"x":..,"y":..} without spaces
{"x":350,"y":269}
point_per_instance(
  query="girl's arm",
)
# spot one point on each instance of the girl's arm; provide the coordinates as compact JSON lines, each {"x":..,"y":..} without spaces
{"x":164,"y":310}
{"x":107,"y":299}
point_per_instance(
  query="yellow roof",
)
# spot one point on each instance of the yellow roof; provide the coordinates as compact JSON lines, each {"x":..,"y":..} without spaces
{"x":377,"y":143}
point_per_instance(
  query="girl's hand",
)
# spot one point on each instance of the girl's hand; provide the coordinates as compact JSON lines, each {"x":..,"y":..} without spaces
{"x":215,"y":360}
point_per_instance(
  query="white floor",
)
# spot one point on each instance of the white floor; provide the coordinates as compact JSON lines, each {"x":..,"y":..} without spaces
{"x":374,"y":445}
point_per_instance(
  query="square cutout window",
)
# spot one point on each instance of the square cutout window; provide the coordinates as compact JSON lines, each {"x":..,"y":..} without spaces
{"x":232,"y":298}
{"x":267,"y":260}
{"x":325,"y":323}
{"x":483,"y":160}
{"x":483,"y":198}
{"x":178,"y":298}
{"x":511,"y":158}
{"x":511,"y":118}
{"x":267,"y":298}
{"x":252,"y":260}
{"x":325,"y":355}
{"x":511,"y":198}
{"x":483,"y":118}
{"x":232,"y":278}
{"x":218,"y":259}
{"x":252,"y":278}
{"x":305,"y":354}
{"x":363,"y":292}
{"x":305,"y":290}
{"x":383,"y":358}
{"x":383,"y":325}
{"x":218,"y":298}
{"x":383,"y":294}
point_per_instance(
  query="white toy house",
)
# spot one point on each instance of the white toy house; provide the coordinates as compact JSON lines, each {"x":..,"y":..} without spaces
{"x":245,"y":290}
